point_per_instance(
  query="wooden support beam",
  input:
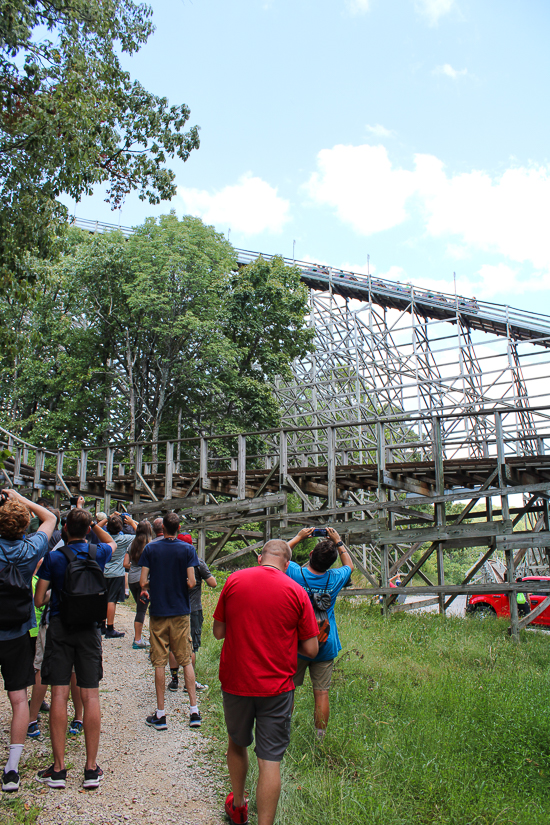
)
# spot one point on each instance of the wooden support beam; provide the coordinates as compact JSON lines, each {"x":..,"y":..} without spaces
{"x":331,"y":466}
{"x":144,"y":483}
{"x":266,"y":481}
{"x":440,"y":520}
{"x":138,"y":466}
{"x":249,"y":549}
{"x":185,"y":504}
{"x":401,"y":608}
{"x":362,"y":569}
{"x":471,"y":572}
{"x":241,"y":466}
{"x":220,"y":545}
{"x":169,"y":470}
{"x":203,"y":464}
{"x":289,"y":482}
{"x":244,"y":506}
{"x":540,"y":539}
{"x":409,"y":485}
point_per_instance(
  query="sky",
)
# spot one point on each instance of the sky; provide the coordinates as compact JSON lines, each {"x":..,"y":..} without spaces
{"x":409,"y":135}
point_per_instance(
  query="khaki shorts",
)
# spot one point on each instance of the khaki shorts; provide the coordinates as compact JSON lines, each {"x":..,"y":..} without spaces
{"x":40,"y":645}
{"x":320,"y":673}
{"x":170,"y":633}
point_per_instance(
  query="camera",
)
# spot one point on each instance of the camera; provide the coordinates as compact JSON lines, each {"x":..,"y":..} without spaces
{"x":320,"y":531}
{"x":73,"y":501}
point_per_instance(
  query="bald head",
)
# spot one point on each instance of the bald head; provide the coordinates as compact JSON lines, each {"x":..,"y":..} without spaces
{"x":276,"y":553}
{"x":157,"y":526}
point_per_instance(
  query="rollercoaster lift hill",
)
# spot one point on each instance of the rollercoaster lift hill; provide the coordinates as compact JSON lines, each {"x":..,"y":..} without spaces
{"x":386,"y":494}
{"x":479,"y":315}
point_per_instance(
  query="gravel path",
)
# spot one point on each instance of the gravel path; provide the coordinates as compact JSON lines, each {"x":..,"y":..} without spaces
{"x":151,"y":777}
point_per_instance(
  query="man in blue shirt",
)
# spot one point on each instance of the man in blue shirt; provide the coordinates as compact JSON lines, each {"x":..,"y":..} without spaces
{"x":67,"y":647}
{"x":169,"y":566}
{"x":16,"y":652}
{"x":317,"y":576}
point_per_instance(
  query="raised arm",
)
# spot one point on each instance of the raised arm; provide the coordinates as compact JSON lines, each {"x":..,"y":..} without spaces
{"x":343,"y":552}
{"x":47,"y":519}
{"x":305,"y":533}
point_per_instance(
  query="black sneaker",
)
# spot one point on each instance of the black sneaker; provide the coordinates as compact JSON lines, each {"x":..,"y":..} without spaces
{"x":173,"y":685}
{"x":195,"y":720}
{"x":92,"y":778}
{"x":155,"y":722}
{"x":10,"y":781}
{"x":55,"y":779}
{"x":114,"y":634}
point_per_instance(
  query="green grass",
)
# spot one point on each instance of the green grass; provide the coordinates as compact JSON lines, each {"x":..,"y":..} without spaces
{"x":14,"y":811}
{"x":433,"y":721}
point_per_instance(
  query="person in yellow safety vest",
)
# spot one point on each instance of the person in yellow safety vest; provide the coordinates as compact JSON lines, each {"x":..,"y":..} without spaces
{"x":524,"y":606}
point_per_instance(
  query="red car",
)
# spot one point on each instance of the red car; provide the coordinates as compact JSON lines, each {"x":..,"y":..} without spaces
{"x":497,"y":605}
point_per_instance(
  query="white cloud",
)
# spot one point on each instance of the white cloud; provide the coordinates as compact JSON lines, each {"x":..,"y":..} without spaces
{"x":360,"y":183}
{"x":250,"y":206}
{"x":358,"y":6}
{"x":507,"y":214}
{"x":379,"y":131}
{"x":448,"y":70}
{"x":434,"y":9}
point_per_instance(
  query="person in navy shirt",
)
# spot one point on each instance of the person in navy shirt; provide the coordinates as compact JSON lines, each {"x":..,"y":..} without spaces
{"x":67,"y":647}
{"x":318,"y":576}
{"x":168,"y":564}
{"x":16,"y":652}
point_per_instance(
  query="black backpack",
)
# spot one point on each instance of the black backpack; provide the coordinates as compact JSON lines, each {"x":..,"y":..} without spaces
{"x":83,"y":600}
{"x":15,"y":598}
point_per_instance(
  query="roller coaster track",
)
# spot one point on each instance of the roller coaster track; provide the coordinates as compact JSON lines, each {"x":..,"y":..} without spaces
{"x":499,"y":319}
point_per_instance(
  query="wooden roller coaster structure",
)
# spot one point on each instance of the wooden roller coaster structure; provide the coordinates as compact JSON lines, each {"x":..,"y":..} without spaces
{"x":400,"y":412}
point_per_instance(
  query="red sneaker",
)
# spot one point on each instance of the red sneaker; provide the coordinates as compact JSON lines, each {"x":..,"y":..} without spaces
{"x":238,"y":816}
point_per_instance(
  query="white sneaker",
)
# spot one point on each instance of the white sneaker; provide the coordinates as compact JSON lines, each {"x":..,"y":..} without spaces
{"x":198,"y":686}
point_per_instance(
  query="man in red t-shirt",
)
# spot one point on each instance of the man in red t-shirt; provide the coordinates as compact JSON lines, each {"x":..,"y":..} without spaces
{"x":265,"y":619}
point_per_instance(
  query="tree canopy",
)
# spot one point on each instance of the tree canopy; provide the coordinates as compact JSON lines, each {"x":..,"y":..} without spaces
{"x":147,"y":337}
{"x":72,"y":117}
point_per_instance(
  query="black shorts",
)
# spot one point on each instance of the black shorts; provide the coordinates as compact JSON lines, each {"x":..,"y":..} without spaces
{"x":66,"y":648}
{"x":272,"y":715}
{"x":115,"y":589}
{"x":15,"y":656}
{"x":196,"y":628}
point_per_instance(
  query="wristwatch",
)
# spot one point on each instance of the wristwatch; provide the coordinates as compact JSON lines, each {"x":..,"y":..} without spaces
{"x":339,"y":544}
{"x":93,"y":524}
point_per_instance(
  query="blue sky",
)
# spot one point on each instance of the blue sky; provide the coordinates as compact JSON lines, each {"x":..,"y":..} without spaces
{"x":416,"y":132}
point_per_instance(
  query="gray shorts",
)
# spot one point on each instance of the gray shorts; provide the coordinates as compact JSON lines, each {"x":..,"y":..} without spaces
{"x":196,"y":628}
{"x":115,"y":589}
{"x":272,"y":715}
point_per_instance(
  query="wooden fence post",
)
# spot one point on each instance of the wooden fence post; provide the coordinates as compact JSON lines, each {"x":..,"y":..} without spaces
{"x":440,"y":518}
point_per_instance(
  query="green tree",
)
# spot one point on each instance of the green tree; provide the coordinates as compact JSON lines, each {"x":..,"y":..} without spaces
{"x":73,"y":118}
{"x":157,"y":336}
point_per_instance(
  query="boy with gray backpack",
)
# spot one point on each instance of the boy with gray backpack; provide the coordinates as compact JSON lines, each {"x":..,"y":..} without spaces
{"x":18,"y":559}
{"x":78,"y":602}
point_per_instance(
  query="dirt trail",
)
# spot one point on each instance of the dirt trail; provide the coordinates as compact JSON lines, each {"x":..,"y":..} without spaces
{"x":151,"y":777}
